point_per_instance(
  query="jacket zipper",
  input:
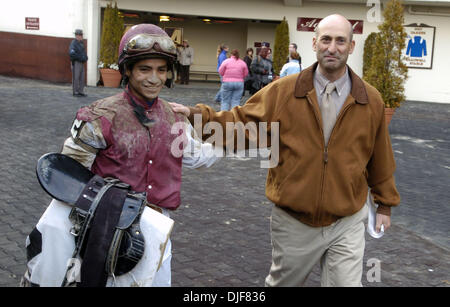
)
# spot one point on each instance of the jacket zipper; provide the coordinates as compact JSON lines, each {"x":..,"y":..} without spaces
{"x":322,"y":183}
{"x":325,"y":156}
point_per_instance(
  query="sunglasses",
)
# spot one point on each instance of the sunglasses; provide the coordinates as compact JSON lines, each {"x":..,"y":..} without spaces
{"x":146,"y":42}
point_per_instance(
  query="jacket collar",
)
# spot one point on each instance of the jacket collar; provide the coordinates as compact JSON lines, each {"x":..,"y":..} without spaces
{"x":147,"y":105}
{"x":305,"y":83}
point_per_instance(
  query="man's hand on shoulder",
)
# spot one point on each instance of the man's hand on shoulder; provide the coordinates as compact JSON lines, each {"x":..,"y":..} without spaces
{"x":179,"y":108}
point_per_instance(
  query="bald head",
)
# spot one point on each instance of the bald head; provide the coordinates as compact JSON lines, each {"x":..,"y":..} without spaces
{"x":333,"y":43}
{"x":333,"y":21}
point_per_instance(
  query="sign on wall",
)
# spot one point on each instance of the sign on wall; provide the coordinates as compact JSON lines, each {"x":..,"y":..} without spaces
{"x":309,"y":24}
{"x":419,"y":46}
{"x":31,"y":23}
{"x":176,"y":34}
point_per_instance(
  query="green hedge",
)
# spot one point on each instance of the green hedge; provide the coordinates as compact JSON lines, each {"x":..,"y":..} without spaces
{"x":387,"y":71}
{"x":281,"y":46}
{"x":112,"y":31}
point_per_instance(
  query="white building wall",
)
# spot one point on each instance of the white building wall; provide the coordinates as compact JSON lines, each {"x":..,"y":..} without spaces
{"x":423,"y":84}
{"x":260,"y":32}
{"x":57,"y":18}
{"x":241,"y":9}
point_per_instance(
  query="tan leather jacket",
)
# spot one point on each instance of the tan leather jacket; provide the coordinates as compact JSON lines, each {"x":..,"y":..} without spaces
{"x":315,"y":183}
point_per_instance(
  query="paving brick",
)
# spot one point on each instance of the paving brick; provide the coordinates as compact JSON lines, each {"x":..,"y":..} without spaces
{"x":222,"y":231}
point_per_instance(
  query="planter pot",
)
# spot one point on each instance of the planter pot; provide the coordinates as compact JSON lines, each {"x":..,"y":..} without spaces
{"x":388,"y":113}
{"x":110,"y":77}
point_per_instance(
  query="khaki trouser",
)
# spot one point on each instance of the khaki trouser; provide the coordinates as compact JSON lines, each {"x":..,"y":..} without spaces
{"x":297,"y":247}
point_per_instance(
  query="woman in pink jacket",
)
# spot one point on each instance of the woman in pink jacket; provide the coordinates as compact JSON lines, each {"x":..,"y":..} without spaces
{"x":233,"y":71}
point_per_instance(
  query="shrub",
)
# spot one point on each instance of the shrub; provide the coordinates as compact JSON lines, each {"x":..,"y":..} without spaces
{"x":281,"y":46}
{"x":387,"y":72}
{"x":112,"y":31}
{"x":369,"y":47}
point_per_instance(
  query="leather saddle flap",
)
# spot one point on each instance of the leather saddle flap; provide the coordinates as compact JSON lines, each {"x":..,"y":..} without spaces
{"x":62,"y":177}
{"x":130,"y":211}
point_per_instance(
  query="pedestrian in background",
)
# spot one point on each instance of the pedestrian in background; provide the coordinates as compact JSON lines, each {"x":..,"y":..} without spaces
{"x":78,"y":57}
{"x":293,"y":48}
{"x":292,"y":67}
{"x":248,"y":80}
{"x":186,"y":58}
{"x":233,"y":72}
{"x":261,"y":68}
{"x":222,"y":51}
{"x":248,"y":57}
{"x":269,"y":54}
{"x":177,"y":69}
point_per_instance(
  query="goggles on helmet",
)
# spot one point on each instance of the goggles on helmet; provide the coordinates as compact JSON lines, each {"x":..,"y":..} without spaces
{"x":146,"y":42}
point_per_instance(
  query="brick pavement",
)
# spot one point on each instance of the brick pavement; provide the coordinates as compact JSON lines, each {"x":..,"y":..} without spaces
{"x":221,"y":236}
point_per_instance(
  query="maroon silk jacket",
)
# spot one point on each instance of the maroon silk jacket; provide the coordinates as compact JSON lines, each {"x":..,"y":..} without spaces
{"x":137,"y":155}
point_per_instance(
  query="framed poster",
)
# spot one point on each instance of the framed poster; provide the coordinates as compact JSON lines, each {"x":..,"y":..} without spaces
{"x":418,"y":52}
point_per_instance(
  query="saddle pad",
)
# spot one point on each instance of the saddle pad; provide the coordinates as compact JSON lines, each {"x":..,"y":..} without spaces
{"x":48,"y":268}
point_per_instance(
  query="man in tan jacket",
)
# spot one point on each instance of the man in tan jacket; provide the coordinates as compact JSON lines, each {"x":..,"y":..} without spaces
{"x":333,"y":145}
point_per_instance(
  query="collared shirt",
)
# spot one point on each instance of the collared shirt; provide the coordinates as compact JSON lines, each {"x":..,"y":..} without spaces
{"x":185,"y":55}
{"x":343,"y":88}
{"x":290,"y":68}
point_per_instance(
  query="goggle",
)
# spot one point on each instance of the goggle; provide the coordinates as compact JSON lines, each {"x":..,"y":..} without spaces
{"x":146,"y":42}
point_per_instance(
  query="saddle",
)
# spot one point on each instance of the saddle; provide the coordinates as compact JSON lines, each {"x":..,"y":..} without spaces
{"x":105,"y":215}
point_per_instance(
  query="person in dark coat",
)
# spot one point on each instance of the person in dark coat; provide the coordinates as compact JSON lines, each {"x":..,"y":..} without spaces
{"x":78,"y":57}
{"x":262,"y":70}
{"x":249,"y":79}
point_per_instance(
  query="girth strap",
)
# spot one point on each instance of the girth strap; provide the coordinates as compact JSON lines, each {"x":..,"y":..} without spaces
{"x":95,"y":216}
{"x":93,"y":273}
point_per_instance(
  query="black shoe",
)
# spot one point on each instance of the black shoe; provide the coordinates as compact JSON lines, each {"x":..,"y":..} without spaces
{"x":76,"y":95}
{"x":82,"y":94}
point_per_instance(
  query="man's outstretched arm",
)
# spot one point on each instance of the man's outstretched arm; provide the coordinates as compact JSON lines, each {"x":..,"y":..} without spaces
{"x":197,"y":154}
{"x":261,"y":110}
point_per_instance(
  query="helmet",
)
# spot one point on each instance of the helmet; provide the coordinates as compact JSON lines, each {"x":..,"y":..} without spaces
{"x":145,"y":41}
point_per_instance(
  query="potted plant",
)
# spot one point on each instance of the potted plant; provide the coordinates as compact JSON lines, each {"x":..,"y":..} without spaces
{"x":387,"y":71}
{"x":281,"y":47}
{"x":112,"y":31}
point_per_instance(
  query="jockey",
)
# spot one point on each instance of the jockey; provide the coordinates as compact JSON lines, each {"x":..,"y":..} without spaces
{"x":130,"y":136}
